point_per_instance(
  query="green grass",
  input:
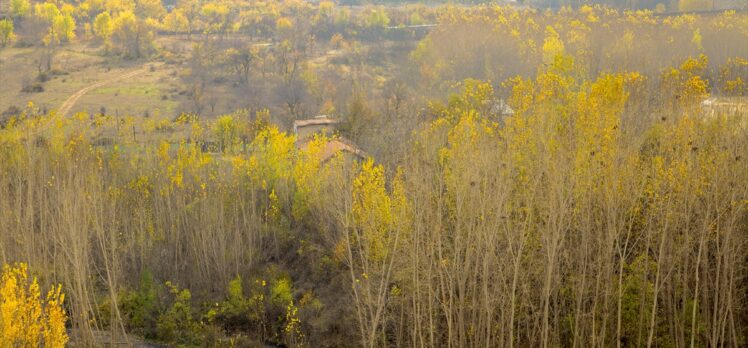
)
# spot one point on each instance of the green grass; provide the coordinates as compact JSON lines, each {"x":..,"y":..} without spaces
{"x":128,"y":90}
{"x":82,"y":66}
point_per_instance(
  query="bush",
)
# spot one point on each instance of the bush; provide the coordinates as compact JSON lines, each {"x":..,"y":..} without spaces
{"x":177,"y":325}
{"x":151,"y":316}
{"x":33,"y":88}
{"x":280,"y":292}
{"x":267,"y":313}
{"x":140,"y":308}
{"x":27,"y":320}
{"x":9,"y":113}
{"x":238,"y":312}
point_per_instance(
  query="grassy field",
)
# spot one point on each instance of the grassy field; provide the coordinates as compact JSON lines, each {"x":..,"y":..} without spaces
{"x":164,"y":90}
{"x":77,"y":66}
{"x":143,"y":94}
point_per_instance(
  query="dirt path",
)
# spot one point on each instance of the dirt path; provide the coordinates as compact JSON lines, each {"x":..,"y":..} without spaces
{"x":70,"y":102}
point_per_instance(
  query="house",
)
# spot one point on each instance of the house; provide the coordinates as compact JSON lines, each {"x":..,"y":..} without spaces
{"x":321,"y":124}
{"x":305,"y":130}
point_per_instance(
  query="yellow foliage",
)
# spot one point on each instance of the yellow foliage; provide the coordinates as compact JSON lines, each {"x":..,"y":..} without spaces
{"x":188,"y":161}
{"x":736,"y":86}
{"x":292,"y":329}
{"x":696,"y":39}
{"x":462,"y":156}
{"x":552,"y":46}
{"x":307,"y":175}
{"x":103,"y":26}
{"x":27,"y":320}
{"x":376,"y":212}
{"x":271,"y":162}
{"x":225,"y":129}
{"x":284,"y":24}
{"x":326,"y":8}
{"x":686,"y":84}
{"x":596,"y":131}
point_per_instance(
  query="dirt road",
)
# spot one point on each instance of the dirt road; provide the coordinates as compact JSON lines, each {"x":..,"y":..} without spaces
{"x":70,"y":102}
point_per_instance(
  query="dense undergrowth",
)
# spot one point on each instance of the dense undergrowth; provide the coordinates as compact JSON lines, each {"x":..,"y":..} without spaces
{"x":568,"y":221}
{"x":608,"y":208}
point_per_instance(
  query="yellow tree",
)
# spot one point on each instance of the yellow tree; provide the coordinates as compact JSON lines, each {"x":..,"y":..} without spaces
{"x":552,"y":46}
{"x":270,"y":166}
{"x":284,"y":25}
{"x":132,"y":34}
{"x":19,"y":8}
{"x":377,"y":223}
{"x":216,"y":16}
{"x":191,"y":11}
{"x":226,"y":131}
{"x":117,"y":6}
{"x":684,"y":87}
{"x":176,"y":22}
{"x":103,"y":28}
{"x":60,"y":28}
{"x":308,"y":176}
{"x":149,"y":9}
{"x":6,"y":32}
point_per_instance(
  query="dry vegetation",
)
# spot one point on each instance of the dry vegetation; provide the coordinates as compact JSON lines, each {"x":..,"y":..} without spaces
{"x":536,"y":178}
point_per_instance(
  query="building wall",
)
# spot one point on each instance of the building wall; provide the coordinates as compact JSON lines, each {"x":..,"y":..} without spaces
{"x":309,"y":131}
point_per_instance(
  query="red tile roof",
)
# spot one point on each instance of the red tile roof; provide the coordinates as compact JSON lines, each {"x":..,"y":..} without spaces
{"x":334,"y":146}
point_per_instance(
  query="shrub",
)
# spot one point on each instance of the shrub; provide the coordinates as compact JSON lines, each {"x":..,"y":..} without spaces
{"x":177,"y":325}
{"x":141,"y":307}
{"x":239,"y":312}
{"x":280,"y":292}
{"x":27,"y":320}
